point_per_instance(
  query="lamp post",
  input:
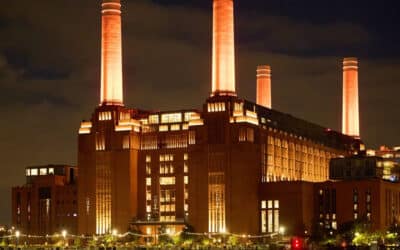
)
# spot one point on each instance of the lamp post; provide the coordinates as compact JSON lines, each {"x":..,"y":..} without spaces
{"x":64,"y":235}
{"x":114,"y":234}
{"x":17,"y":234}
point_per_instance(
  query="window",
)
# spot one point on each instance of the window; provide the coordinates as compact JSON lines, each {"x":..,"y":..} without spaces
{"x":148,"y":181}
{"x":166,"y":168}
{"x":188,"y":116}
{"x":153,"y":119}
{"x":175,"y":127}
{"x":270,"y":216}
{"x":100,"y":142}
{"x":216,"y":202}
{"x":163,"y":128}
{"x":105,"y":116}
{"x":186,"y":180}
{"x":216,"y":107}
{"x":171,"y":118}
{"x":43,"y":171}
{"x":51,"y":170}
{"x":368,"y":204}
{"x":192,"y":137}
{"x":126,"y":142}
{"x":355,"y":203}
{"x":167,"y":157}
{"x":148,"y":169}
{"x":28,"y":172}
{"x":148,"y":158}
{"x":167,"y":180}
{"x":246,"y":134}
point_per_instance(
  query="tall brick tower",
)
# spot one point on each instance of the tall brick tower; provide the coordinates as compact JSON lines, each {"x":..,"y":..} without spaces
{"x":108,"y":144}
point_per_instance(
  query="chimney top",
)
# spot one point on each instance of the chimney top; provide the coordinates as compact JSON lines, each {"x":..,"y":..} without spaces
{"x":350,"y":63}
{"x":263,"y":71}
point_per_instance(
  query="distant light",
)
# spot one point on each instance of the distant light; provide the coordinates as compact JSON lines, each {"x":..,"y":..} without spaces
{"x":282,"y":230}
{"x":114,"y":232}
{"x":64,"y":233}
{"x":17,"y":233}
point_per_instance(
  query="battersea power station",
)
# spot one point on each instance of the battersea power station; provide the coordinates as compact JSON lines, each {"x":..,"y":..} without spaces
{"x":232,"y":165}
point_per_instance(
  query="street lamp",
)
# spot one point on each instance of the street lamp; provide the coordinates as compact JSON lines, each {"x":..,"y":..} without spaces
{"x":282,"y":230}
{"x":64,"y":235}
{"x":17,"y":234}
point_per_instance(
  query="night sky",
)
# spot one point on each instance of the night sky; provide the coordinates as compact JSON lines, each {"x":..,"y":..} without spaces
{"x":50,"y":61}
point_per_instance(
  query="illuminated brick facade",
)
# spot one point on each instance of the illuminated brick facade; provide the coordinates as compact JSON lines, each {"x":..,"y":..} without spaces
{"x":195,"y":167}
{"x":48,"y":202}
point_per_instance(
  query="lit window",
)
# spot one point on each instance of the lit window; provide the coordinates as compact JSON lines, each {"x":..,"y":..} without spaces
{"x":105,"y":116}
{"x":28,"y":172}
{"x":186,"y":179}
{"x":276,"y":204}
{"x":51,"y":170}
{"x":43,"y":171}
{"x":126,"y":142}
{"x":162,"y":158}
{"x":192,"y":137}
{"x":87,"y":205}
{"x":185,"y":157}
{"x":171,"y":118}
{"x":163,"y":128}
{"x":153,"y":119}
{"x":148,"y":209}
{"x":216,"y":107}
{"x":185,"y":126}
{"x":270,"y":216}
{"x":185,"y":168}
{"x":148,"y":181}
{"x":148,"y":230}
{"x":175,"y":127}
{"x":167,"y":180}
{"x":188,"y":116}
{"x":100,"y":142}
{"x":148,"y":196}
{"x":263,"y":204}
{"x":148,"y":169}
{"x":148,"y":158}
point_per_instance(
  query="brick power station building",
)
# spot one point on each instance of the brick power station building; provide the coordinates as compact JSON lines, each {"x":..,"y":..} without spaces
{"x":192,"y":166}
{"x":231,"y":166}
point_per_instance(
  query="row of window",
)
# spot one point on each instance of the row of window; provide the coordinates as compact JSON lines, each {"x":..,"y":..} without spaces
{"x":40,"y":171}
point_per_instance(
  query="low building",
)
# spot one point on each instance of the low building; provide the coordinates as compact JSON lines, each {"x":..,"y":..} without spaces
{"x":373,"y":200}
{"x":47,"y":202}
{"x":358,"y":189}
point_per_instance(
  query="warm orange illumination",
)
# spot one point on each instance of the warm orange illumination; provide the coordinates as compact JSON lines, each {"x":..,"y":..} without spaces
{"x":264,"y":86}
{"x":111,"y":54}
{"x":223,"y":57}
{"x":350,"y":97}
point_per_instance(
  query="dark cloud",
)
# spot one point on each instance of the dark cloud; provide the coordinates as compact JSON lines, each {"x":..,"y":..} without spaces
{"x":50,"y":61}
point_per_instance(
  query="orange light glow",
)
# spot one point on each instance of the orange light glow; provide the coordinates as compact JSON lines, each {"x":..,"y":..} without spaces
{"x":111,"y":54}
{"x":350,"y":97}
{"x":223,"y":58}
{"x":264,"y":86}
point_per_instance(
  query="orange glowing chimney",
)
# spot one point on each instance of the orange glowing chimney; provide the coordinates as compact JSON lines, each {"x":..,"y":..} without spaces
{"x":264,"y":86}
{"x":223,"y":52}
{"x":350,"y":97}
{"x":111,"y":54}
